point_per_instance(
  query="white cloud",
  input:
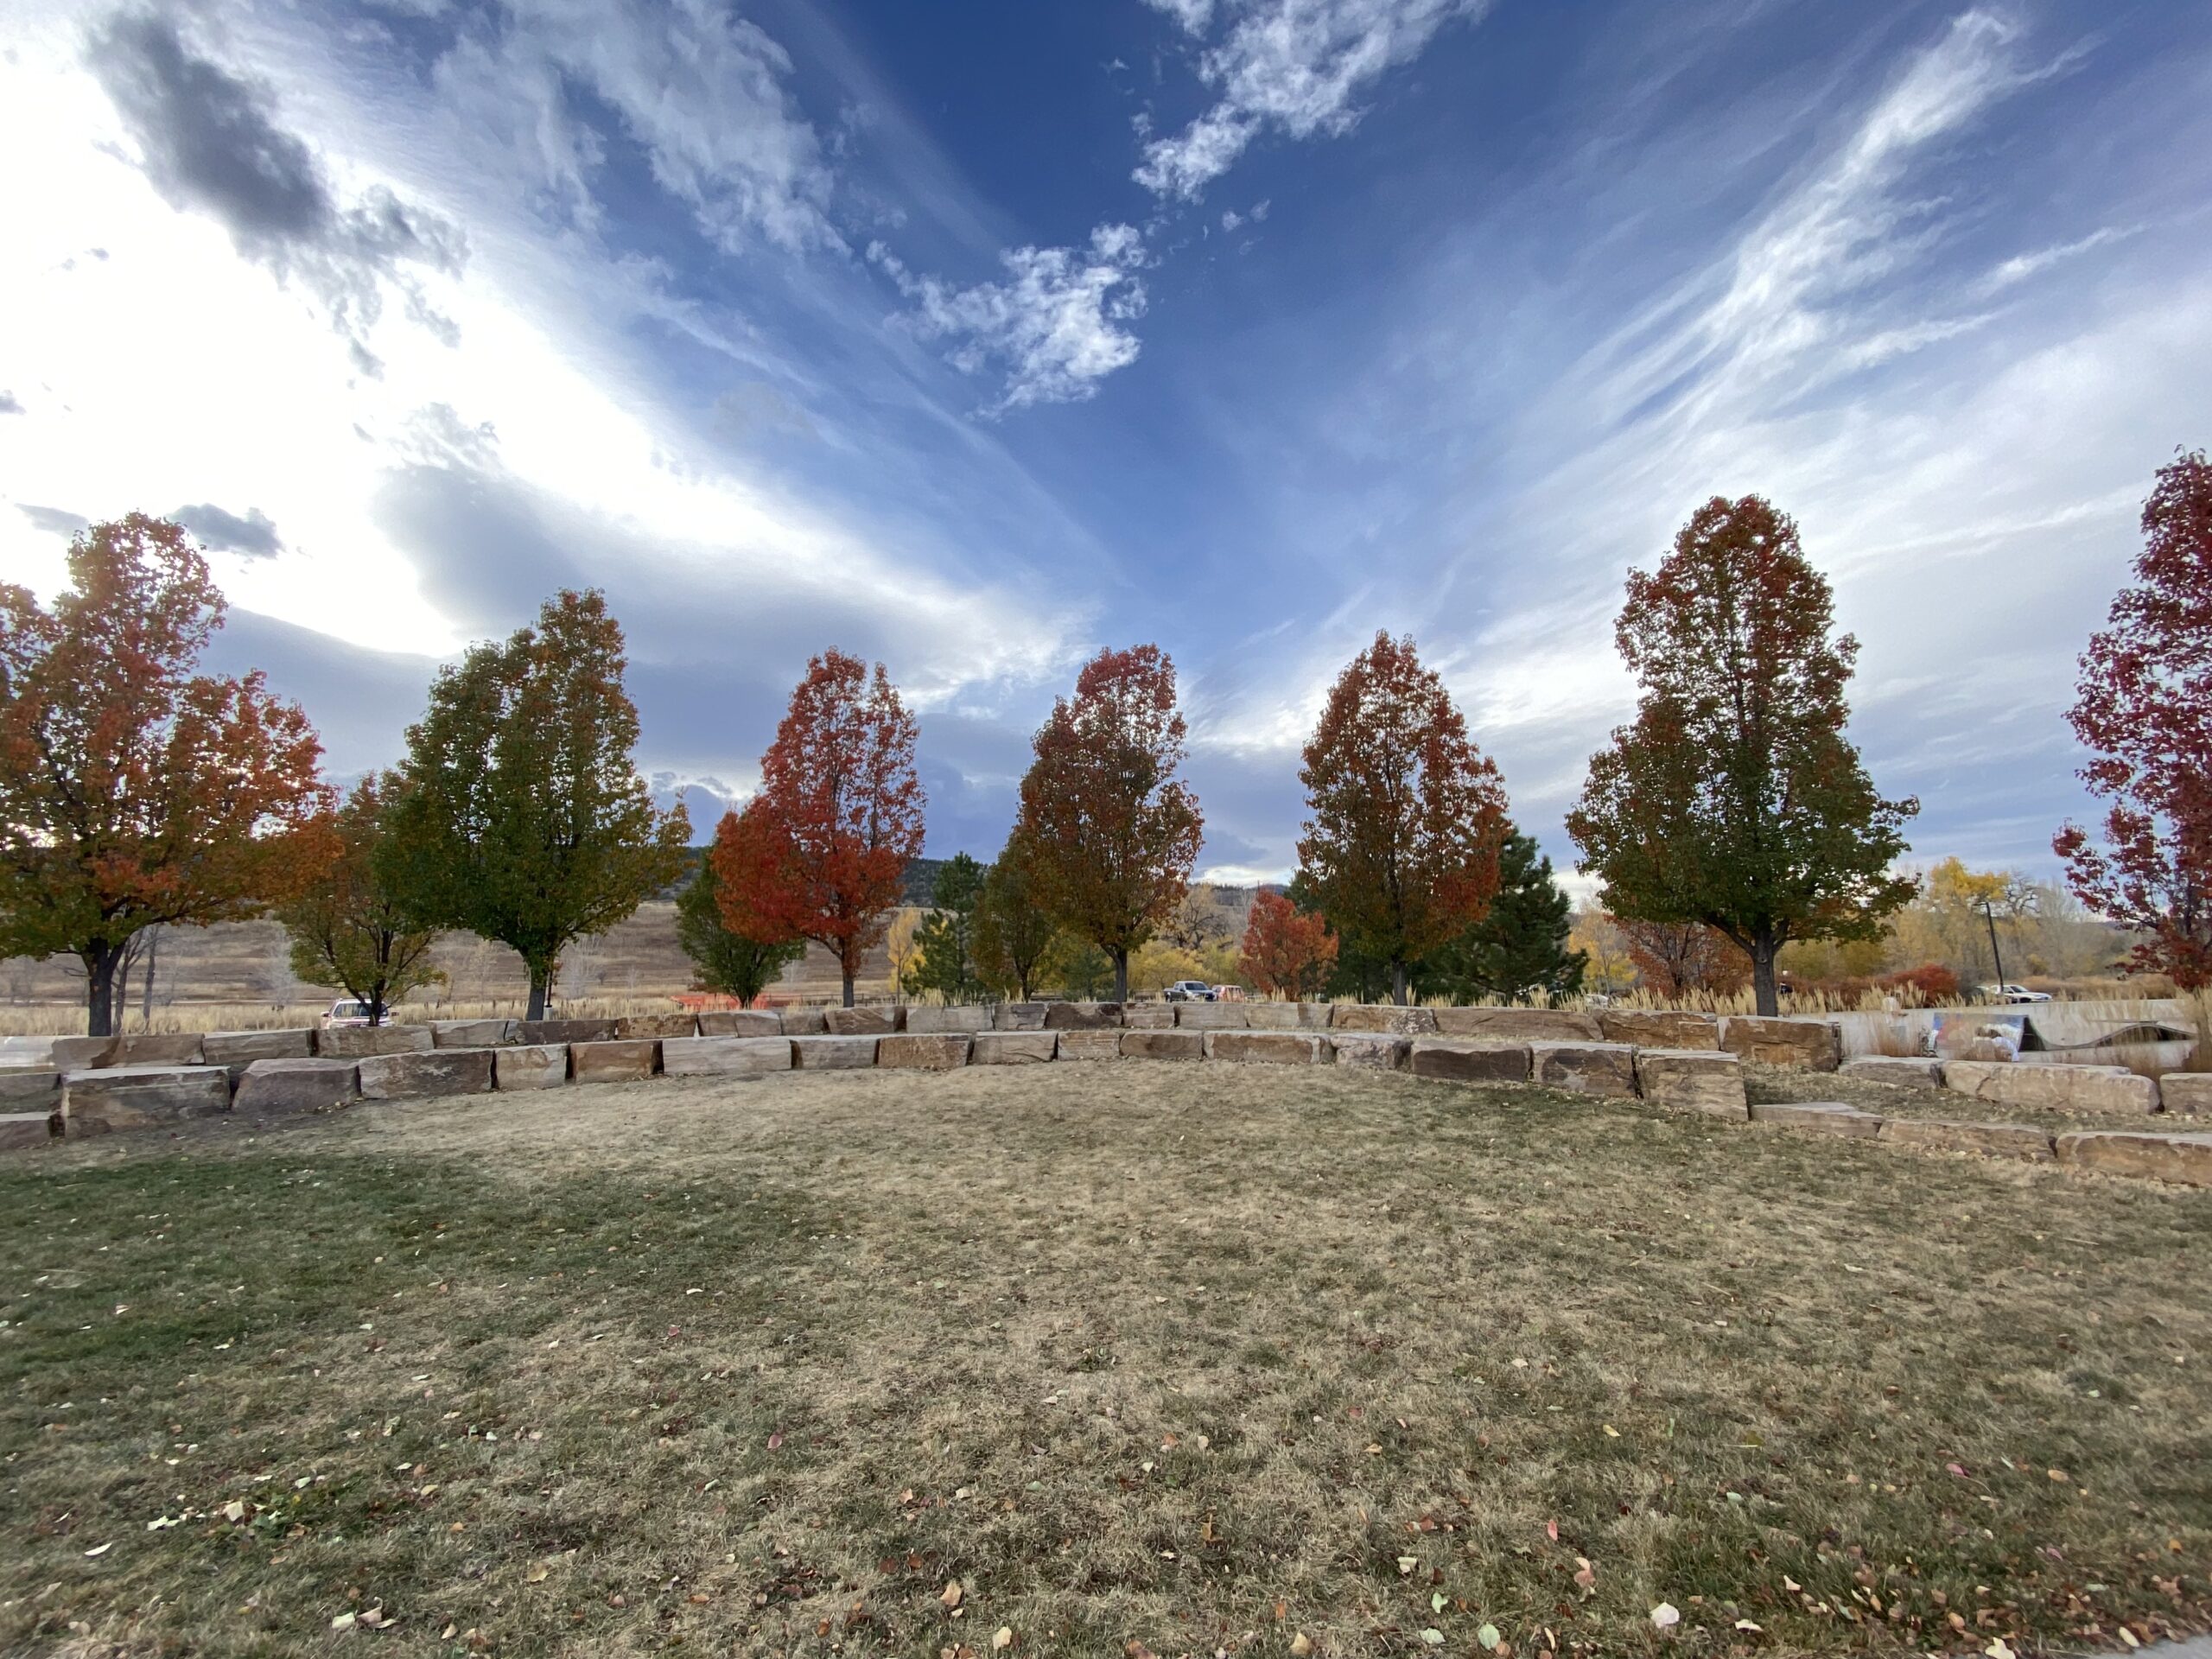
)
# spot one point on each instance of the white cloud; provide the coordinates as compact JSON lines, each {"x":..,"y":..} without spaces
{"x":1295,"y":65}
{"x":1056,"y":325}
{"x":2021,"y":267}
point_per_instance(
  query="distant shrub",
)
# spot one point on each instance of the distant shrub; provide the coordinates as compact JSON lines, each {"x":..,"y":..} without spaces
{"x":1931,"y":983}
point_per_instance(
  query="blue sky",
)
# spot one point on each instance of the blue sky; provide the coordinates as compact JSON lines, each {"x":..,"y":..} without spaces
{"x":973,"y":337}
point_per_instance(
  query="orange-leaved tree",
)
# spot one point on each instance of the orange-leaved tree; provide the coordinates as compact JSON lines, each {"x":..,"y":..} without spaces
{"x":1677,"y":959}
{"x":1112,"y":829}
{"x":1402,"y":852}
{"x":1735,"y":799}
{"x":2144,"y":708}
{"x":135,"y":792}
{"x":1285,"y":952}
{"x":822,"y":852}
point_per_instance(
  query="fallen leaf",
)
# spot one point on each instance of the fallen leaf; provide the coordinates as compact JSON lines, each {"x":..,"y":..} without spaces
{"x":1611,"y":1434}
{"x":1584,"y":1574}
{"x":1405,"y":1563}
{"x":536,"y":1574}
{"x":1434,"y":1637}
{"x":1300,"y":1645}
{"x":775,"y":1440}
{"x":1998,"y":1650}
{"x":1551,"y":1530}
{"x":343,"y":1622}
{"x":1436,"y":1601}
{"x":2058,"y":1474}
{"x":374,"y":1618}
{"x":1002,"y":1639}
{"x":1487,"y":1637}
{"x":1665,"y":1616}
{"x":100,"y":1549}
{"x":1746,"y":1624}
{"x":951,"y":1596}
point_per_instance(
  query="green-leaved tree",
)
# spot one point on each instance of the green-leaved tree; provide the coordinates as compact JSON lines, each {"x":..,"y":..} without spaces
{"x":350,"y":929}
{"x":737,"y":960}
{"x":944,"y":943}
{"x":1518,"y":952}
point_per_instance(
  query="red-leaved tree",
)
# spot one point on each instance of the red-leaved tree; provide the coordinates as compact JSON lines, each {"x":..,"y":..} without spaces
{"x":135,"y":792}
{"x":1112,"y":830}
{"x":1678,"y":959}
{"x":1402,"y":852}
{"x":1287,"y":952}
{"x":821,"y":853}
{"x":2143,"y":706}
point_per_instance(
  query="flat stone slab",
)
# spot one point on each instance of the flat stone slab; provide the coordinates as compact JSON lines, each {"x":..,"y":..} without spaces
{"x":1821,"y":1116}
{"x":861,"y":1022}
{"x":1811,"y":1043}
{"x":269,"y":1087}
{"x":1209,"y":1016}
{"x":1659,"y":1028}
{"x":21,"y":1130}
{"x":1607,"y":1069}
{"x":237,"y":1050}
{"x":1013,"y":1047}
{"x":739,"y":1022}
{"x":427,"y":1073}
{"x":1519,"y":1025}
{"x":83,"y":1053}
{"x":1081,"y":1016}
{"x":1385,"y":1017}
{"x":1273,"y":1016}
{"x":625,"y":1059}
{"x":827,"y":1053}
{"x":2053,"y":1088}
{"x":471,"y":1034}
{"x":1267,"y":1047}
{"x":967,"y":1020}
{"x":934,"y":1051}
{"x":2186,"y":1091}
{"x":630,"y":1027}
{"x":1163,"y":1045}
{"x":538,"y":1033}
{"x":1148,"y":1016}
{"x":801,"y":1022}
{"x":2185,"y":1160}
{"x":1693,"y":1080}
{"x":1461,"y":1059}
{"x":1992,"y":1139}
{"x":141,"y":1096}
{"x":1368,"y":1050}
{"x":162,"y":1048}
{"x":725,"y":1057}
{"x":1105,"y":1045}
{"x":24,"y":1086}
{"x":359,"y":1042}
{"x":1901,"y":1070}
{"x":532,"y":1065}
{"x":1018,"y":1016}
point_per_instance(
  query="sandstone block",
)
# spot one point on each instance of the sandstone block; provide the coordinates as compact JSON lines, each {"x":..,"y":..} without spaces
{"x":1163,"y":1045}
{"x":1081,"y":1045}
{"x":827,"y":1053}
{"x":625,"y":1060}
{"x":1148,"y":1016}
{"x":2053,"y":1088}
{"x":426,"y":1072}
{"x":1013,"y":1047}
{"x":1606,"y":1069}
{"x":725,"y":1057}
{"x":532,"y":1065}
{"x":1267,"y":1047}
{"x":1901,"y":1069}
{"x":1812,"y":1043}
{"x":934,"y":1051}
{"x":1209,"y":1016}
{"x":1018,"y":1016}
{"x":630,"y":1028}
{"x":161,"y":1048}
{"x":1519,"y":1025}
{"x":471,"y":1034}
{"x":804,"y":1022}
{"x":968,"y":1021}
{"x":1382,"y":1017}
{"x":1081,"y":1016}
{"x":861,"y":1022}
{"x":538,"y":1033}
{"x":2186,"y":1091}
{"x":1458,"y":1059}
{"x":1997,"y":1140}
{"x":1692,"y":1080}
{"x":25,"y":1086}
{"x":1314,"y":1016}
{"x":1659,"y":1028}
{"x":359,"y":1042}
{"x":739,"y":1022}
{"x":2185,"y":1160}
{"x":22,"y":1130}
{"x":83,"y":1053}
{"x":141,"y":1096}
{"x":236,"y":1050}
{"x":297,"y":1085}
{"x":1821,"y":1116}
{"x":1369,"y":1051}
{"x":1271,"y":1016}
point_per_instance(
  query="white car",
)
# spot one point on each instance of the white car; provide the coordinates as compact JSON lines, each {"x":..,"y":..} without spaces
{"x":2011,"y":994}
{"x":345,"y":1012}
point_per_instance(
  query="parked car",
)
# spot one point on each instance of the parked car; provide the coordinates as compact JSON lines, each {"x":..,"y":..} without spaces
{"x":1188,"y":990}
{"x":2011,"y":994}
{"x":1228,"y":992}
{"x":345,"y":1012}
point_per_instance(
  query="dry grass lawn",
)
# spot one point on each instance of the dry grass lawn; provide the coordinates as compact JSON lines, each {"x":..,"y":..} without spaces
{"x":1144,"y":1357}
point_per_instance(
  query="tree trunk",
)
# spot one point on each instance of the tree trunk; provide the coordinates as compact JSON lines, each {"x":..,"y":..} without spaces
{"x":848,"y":988}
{"x":99,"y":989}
{"x":1120,"y":976}
{"x":2200,"y":1056}
{"x":1398,"y":983}
{"x":540,"y":982}
{"x":1764,"y":947}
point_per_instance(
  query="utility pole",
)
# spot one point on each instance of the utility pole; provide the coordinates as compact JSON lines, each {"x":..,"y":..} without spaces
{"x":1997,"y":960}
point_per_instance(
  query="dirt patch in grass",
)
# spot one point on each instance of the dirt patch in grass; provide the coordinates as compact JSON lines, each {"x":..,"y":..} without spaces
{"x":1198,"y":1358}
